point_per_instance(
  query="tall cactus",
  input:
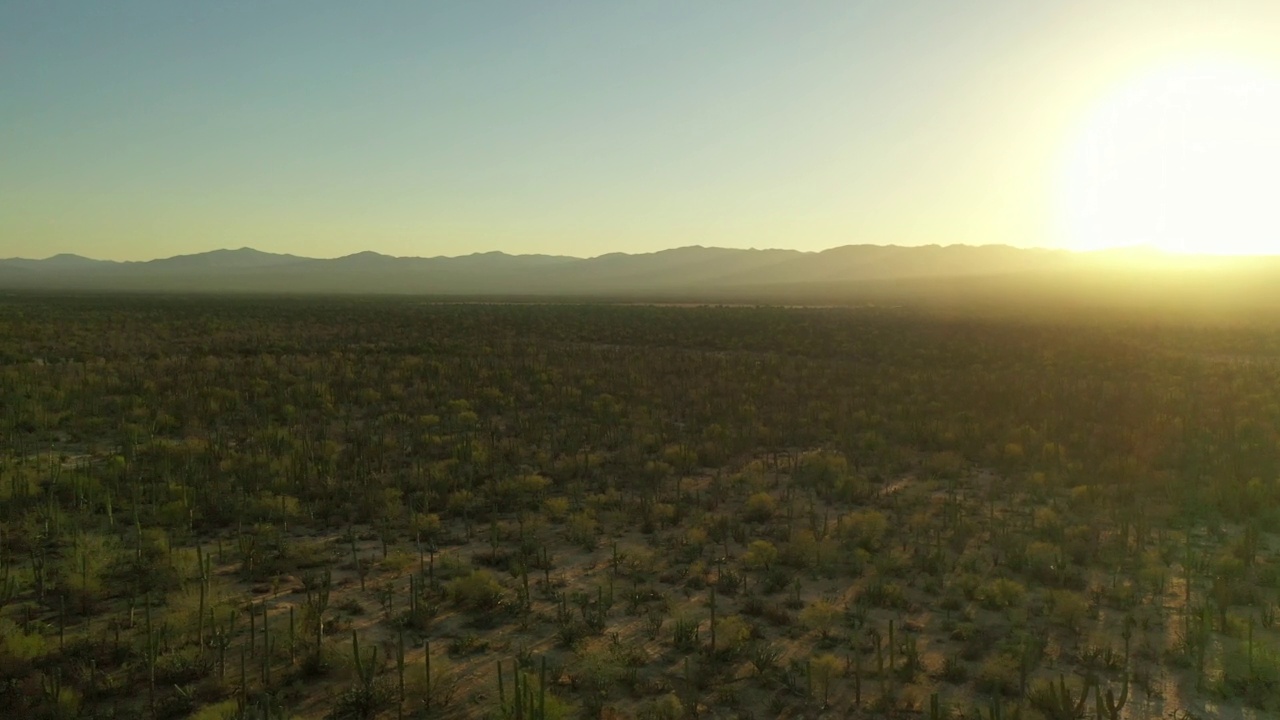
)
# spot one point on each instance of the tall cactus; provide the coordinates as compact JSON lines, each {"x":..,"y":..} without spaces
{"x":247,"y":546}
{"x":413,"y":596}
{"x":426,"y":659}
{"x":1060,"y":704}
{"x":317,"y":601}
{"x":713,"y":621}
{"x":266,"y":647}
{"x":244,"y":677}
{"x":400,"y":673}
{"x":152,"y":649}
{"x":366,"y":673}
{"x":893,"y":652}
{"x":51,"y":686}
{"x":362,"y":567}
{"x":204,"y":589}
{"x":857,"y":680}
{"x":1250,"y":646}
{"x":221,"y":638}
{"x":880,"y":673}
{"x":1186,"y":574}
{"x":525,"y":703}
{"x":1109,"y":706}
{"x":1202,"y":644}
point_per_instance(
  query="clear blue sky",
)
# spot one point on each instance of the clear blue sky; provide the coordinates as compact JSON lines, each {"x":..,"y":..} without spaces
{"x":143,"y":128}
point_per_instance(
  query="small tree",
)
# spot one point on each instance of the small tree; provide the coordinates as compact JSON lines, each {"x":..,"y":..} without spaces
{"x":761,"y":507}
{"x":821,"y":616}
{"x":477,"y":592}
{"x":761,"y":554}
{"x":823,"y":668}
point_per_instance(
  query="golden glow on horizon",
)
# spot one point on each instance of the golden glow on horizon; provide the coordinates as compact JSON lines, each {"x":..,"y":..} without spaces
{"x":1185,"y":158}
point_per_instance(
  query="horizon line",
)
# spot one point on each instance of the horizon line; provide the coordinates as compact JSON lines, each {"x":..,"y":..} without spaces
{"x":1137,"y":247}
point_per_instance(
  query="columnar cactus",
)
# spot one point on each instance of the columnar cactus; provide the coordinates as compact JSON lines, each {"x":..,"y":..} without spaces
{"x":1061,"y":704}
{"x":525,"y":703}
{"x":1109,"y":706}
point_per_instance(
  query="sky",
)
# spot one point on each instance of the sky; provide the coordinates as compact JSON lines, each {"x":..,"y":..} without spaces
{"x":135,"y":129}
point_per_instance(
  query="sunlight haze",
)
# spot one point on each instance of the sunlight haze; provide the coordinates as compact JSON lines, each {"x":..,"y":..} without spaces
{"x":149,"y":128}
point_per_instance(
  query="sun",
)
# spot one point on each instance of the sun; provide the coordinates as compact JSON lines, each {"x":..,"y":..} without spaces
{"x":1185,"y":158}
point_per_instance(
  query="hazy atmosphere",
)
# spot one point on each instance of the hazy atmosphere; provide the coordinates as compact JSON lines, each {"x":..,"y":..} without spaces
{"x":640,"y":360}
{"x":149,"y":128}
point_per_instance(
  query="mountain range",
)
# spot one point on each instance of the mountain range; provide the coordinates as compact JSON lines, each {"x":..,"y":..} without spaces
{"x":688,"y":273}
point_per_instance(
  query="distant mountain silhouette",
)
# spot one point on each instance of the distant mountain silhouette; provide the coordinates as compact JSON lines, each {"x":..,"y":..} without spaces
{"x":63,"y":262}
{"x":687,"y":272}
{"x":219,"y":260}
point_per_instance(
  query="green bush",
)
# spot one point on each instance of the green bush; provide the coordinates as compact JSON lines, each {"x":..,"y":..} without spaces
{"x":1001,"y":593}
{"x":476,"y":592}
{"x":999,"y":675}
{"x":761,"y":554}
{"x":760,"y":507}
{"x":667,"y":707}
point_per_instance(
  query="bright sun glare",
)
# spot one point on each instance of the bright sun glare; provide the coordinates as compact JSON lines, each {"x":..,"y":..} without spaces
{"x":1184,"y":159}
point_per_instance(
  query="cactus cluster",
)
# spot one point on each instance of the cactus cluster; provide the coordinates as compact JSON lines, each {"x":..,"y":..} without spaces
{"x":524,"y":702}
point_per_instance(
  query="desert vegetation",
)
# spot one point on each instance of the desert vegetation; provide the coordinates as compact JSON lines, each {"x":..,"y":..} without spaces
{"x":372,"y":508}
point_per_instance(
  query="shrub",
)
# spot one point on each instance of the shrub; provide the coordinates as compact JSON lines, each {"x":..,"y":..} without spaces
{"x":729,"y":583}
{"x":802,"y":551}
{"x":582,"y":529}
{"x":398,"y":561}
{"x":760,"y":507}
{"x":864,"y":528}
{"x":761,"y":554}
{"x":351,"y":606}
{"x":426,"y":525}
{"x":1001,"y":593}
{"x":885,"y":594}
{"x":821,"y":616}
{"x":821,"y":471}
{"x":557,"y":508}
{"x":823,"y":669}
{"x":182,"y":667}
{"x":217,"y":711}
{"x":667,"y":707}
{"x":476,"y":592}
{"x":467,"y":643}
{"x":954,"y":670}
{"x":1070,"y":609}
{"x":362,"y":702}
{"x":776,"y":579}
{"x":999,"y":675}
{"x":732,"y":634}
